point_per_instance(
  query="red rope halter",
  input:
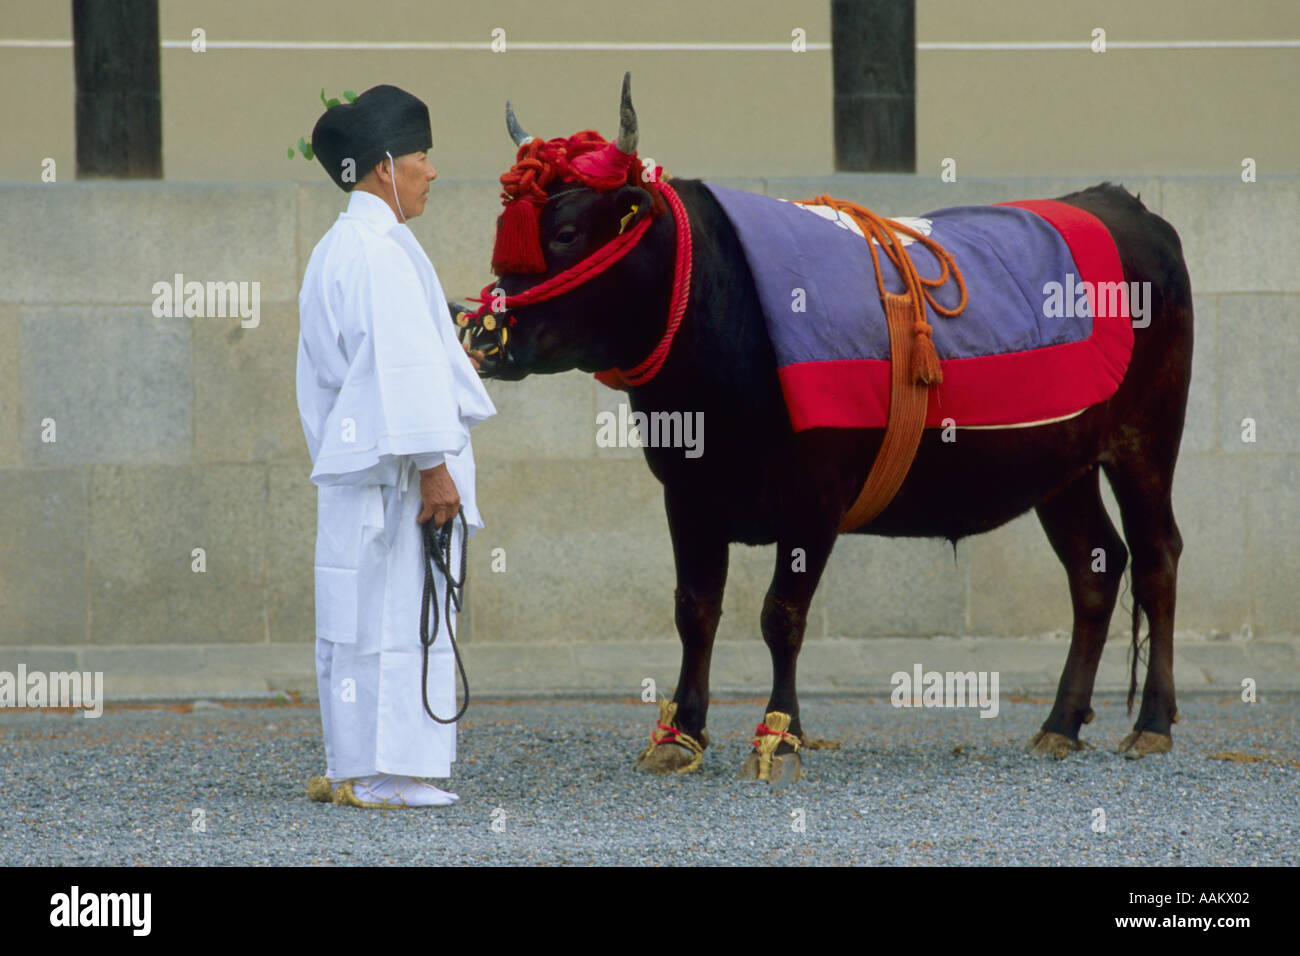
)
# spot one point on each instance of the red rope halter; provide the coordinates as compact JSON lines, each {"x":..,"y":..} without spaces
{"x":590,"y":160}
{"x":572,"y":277}
{"x":649,"y":368}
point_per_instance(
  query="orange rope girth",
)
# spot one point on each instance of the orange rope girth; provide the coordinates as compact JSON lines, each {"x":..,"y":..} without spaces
{"x":914,"y":363}
{"x":916,"y":288}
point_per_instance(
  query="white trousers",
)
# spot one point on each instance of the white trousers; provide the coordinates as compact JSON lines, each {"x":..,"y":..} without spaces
{"x":372,"y":712}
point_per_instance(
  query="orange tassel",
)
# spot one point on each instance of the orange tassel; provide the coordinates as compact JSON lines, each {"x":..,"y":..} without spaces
{"x":926,"y":369}
{"x":518,"y":249}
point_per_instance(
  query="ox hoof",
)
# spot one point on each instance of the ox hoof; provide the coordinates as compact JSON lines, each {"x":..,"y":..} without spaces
{"x":785,"y":769}
{"x":1050,"y":744}
{"x":1142,"y":742}
{"x":668,"y":758}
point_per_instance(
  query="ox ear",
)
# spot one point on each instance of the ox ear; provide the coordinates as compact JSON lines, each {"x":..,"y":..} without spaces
{"x":629,"y":205}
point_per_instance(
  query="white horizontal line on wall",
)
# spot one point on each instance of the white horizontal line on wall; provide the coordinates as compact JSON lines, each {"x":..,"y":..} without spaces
{"x":601,"y":46}
{"x":485,"y":46}
{"x":1116,"y":45}
{"x":480,"y":45}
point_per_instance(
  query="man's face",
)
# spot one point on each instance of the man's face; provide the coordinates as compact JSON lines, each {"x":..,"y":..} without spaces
{"x":414,"y":174}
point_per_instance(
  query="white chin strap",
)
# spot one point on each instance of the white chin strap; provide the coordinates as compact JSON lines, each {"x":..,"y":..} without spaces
{"x":392,"y":168}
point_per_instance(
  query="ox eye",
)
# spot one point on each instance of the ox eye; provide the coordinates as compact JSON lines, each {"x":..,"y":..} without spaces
{"x":566,"y":235}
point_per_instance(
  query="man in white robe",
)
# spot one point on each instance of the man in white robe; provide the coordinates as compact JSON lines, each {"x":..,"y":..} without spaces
{"x":387,"y":396}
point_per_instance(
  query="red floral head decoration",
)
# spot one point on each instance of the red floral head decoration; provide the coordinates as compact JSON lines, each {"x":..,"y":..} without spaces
{"x":586,"y":158}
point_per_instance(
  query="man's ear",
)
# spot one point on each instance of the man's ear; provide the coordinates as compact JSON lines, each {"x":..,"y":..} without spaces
{"x":382,"y":172}
{"x":628,"y":205}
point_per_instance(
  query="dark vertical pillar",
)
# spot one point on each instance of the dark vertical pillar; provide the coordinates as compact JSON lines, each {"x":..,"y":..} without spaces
{"x":119,"y":99}
{"x":873,"y":55}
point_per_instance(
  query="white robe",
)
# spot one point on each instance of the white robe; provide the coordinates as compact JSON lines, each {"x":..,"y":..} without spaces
{"x":384,"y":390}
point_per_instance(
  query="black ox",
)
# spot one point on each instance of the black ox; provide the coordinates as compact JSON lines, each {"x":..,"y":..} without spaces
{"x":761,"y":483}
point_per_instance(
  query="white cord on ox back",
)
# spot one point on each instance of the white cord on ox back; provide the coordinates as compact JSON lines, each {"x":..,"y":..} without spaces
{"x":392,"y":168}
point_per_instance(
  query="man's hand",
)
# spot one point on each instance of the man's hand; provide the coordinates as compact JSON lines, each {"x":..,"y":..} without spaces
{"x":440,"y":497}
{"x":475,"y":356}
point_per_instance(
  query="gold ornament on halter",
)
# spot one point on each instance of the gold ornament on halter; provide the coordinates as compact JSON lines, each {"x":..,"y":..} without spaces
{"x":622,"y":223}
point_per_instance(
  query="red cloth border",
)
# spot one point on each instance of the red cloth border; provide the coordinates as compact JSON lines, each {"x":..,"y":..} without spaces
{"x":1004,"y":389}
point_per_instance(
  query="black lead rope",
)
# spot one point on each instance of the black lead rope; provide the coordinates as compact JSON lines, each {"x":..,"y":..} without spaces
{"x":437,"y":554}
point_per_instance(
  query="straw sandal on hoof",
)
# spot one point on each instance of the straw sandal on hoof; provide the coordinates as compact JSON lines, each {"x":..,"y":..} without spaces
{"x":1048,"y":743}
{"x":763,"y":762}
{"x":1141,"y":743}
{"x":671,"y":750}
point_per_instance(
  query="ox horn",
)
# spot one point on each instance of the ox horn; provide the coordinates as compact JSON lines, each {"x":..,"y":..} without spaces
{"x":627,"y":133}
{"x":517,"y":132}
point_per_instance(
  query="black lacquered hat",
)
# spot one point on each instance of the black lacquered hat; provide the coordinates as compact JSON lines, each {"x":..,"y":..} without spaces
{"x":383,"y":119}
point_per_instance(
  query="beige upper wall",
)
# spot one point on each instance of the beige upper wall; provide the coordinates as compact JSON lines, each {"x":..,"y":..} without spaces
{"x":232,"y":114}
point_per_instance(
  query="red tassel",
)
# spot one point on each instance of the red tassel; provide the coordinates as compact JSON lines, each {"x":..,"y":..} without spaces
{"x":610,"y":379}
{"x":518,"y":249}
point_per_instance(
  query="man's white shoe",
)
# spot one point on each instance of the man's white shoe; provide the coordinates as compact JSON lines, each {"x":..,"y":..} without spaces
{"x":389,"y":791}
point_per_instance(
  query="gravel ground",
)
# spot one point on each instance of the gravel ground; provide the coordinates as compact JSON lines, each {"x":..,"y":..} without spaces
{"x":909,"y":787}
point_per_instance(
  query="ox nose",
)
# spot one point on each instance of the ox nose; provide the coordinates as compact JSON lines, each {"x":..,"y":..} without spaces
{"x":488,"y":336}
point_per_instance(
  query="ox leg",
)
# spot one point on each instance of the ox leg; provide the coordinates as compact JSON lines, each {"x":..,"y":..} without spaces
{"x":800,"y":560}
{"x":1094,"y":556}
{"x":1143,"y":494}
{"x":700,"y":553}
